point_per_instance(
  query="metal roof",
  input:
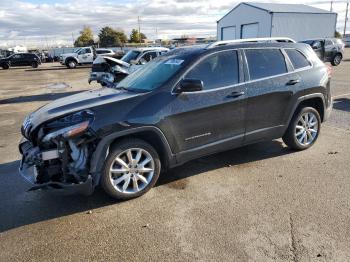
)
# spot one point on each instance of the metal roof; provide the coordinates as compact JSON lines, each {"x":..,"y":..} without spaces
{"x":283,"y":8}
{"x":288,"y":8}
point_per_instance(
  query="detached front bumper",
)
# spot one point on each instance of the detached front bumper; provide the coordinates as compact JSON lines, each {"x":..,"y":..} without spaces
{"x":32,"y":158}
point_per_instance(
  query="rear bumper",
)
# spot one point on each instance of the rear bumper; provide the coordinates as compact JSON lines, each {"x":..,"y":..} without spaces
{"x":32,"y":158}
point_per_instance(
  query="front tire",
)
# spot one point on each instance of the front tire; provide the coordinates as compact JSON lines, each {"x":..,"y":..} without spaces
{"x":5,"y":66}
{"x":131,"y":169}
{"x":34,"y":64}
{"x":303,"y":129}
{"x":337,"y":59}
{"x":71,"y":64}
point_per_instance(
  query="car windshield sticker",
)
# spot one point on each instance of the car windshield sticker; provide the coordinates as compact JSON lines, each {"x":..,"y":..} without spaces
{"x":174,"y":62}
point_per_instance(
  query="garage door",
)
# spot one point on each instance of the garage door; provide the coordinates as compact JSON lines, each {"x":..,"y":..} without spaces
{"x":228,"y":33}
{"x":250,"y":31}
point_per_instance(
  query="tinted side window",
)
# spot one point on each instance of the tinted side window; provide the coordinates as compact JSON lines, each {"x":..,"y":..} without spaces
{"x":298,"y":59}
{"x":265,"y":62}
{"x":87,"y":51}
{"x":217,"y":70}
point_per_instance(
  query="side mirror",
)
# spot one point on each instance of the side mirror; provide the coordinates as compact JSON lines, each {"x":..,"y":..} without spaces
{"x":133,"y":62}
{"x":189,"y":85}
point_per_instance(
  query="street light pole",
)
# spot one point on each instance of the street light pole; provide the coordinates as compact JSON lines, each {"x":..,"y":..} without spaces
{"x":346,"y":17}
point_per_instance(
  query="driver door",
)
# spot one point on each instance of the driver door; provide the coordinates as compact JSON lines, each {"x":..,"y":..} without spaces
{"x":212,"y":119}
{"x":17,"y":60}
{"x":85,"y":56}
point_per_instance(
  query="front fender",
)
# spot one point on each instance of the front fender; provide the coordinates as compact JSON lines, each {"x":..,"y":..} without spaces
{"x":71,"y":58}
{"x":100,"y":154}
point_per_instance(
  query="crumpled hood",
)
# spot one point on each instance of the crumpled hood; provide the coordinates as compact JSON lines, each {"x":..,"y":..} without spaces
{"x":76,"y":103}
{"x":111,"y":60}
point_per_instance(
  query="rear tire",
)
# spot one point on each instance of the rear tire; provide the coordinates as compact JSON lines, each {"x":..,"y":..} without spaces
{"x":337,"y":59}
{"x":304,"y":129}
{"x":131,"y":169}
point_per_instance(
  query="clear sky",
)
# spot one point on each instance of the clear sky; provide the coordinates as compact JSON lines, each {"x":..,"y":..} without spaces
{"x":55,"y":22}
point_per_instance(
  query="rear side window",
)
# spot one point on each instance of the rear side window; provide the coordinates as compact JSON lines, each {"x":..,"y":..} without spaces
{"x":217,"y":70}
{"x":298,"y":59}
{"x":265,"y":62}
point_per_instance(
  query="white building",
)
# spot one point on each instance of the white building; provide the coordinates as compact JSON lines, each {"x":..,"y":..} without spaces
{"x":297,"y":21}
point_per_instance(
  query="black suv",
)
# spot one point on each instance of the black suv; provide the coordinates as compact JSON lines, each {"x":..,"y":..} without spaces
{"x":328,"y":49}
{"x":20,"y":59}
{"x":188,"y":103}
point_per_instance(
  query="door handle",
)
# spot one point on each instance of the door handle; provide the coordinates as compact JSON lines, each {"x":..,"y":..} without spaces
{"x":235,"y":94}
{"x":293,"y":82}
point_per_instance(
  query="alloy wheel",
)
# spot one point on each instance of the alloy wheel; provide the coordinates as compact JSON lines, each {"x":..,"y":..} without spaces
{"x":132,"y":170}
{"x":337,"y":59}
{"x":307,"y":128}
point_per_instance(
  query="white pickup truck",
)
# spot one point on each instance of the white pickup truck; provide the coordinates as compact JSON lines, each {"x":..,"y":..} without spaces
{"x":83,"y":56}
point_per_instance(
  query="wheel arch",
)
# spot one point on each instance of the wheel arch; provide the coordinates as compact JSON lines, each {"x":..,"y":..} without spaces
{"x":316,"y":101}
{"x":151,"y":135}
{"x":70,"y":58}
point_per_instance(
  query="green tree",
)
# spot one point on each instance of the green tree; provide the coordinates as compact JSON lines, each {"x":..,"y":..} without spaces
{"x":86,"y":37}
{"x":122,"y":36}
{"x":110,"y":37}
{"x":337,"y":34}
{"x":135,"y":37}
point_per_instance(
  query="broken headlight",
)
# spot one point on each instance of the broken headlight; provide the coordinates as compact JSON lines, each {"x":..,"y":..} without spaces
{"x":69,"y":126}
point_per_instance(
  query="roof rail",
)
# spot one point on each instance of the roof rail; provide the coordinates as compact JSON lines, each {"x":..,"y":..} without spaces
{"x":253,"y":40}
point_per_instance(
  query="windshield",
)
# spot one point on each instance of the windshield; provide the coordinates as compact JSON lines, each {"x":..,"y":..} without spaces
{"x":131,"y":55}
{"x":152,"y":75}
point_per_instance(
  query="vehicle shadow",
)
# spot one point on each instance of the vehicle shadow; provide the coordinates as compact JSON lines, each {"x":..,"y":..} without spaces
{"x":19,"y":207}
{"x":342,"y":104}
{"x":38,"y":98}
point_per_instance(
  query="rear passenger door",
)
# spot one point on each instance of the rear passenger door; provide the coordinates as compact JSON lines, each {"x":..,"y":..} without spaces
{"x":270,"y":89}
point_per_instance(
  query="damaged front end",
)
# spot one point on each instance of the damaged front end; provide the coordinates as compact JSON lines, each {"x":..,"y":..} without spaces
{"x":56,"y":154}
{"x":107,"y":71}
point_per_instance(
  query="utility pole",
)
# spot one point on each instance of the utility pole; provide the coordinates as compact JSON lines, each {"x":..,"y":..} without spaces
{"x":331,"y":6}
{"x":138,"y":21}
{"x":346,"y":17}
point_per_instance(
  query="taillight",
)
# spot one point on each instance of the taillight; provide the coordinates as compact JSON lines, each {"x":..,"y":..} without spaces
{"x":329,"y":71}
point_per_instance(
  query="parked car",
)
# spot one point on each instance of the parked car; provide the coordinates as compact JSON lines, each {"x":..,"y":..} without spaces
{"x":104,"y":52}
{"x":188,"y":103}
{"x":81,"y":56}
{"x":111,"y":70}
{"x":20,"y":59}
{"x":84,"y":56}
{"x":328,"y":49}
